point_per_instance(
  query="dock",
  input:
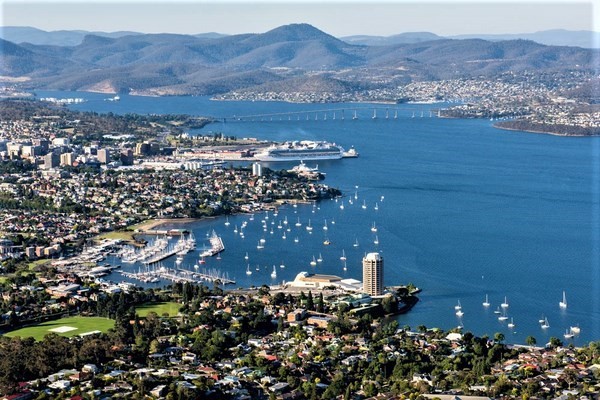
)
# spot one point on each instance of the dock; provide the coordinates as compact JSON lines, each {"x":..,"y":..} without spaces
{"x":179,"y":275}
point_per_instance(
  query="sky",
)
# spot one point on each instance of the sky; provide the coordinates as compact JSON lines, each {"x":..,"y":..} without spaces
{"x":336,"y":17}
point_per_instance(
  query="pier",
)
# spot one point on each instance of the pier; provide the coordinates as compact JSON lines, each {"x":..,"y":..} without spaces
{"x":154,"y":275}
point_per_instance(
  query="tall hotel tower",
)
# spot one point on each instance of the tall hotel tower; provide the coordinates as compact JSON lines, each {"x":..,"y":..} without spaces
{"x":373,"y":274}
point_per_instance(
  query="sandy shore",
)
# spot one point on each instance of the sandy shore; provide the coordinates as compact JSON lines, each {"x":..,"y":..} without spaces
{"x":153,"y":223}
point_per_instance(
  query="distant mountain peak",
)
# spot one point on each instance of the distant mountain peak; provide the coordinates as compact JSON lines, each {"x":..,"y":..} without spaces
{"x":297,"y":33}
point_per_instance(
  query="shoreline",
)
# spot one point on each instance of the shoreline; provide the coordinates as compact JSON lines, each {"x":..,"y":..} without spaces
{"x":541,"y":132}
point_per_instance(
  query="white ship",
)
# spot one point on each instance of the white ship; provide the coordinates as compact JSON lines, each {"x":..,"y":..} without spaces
{"x":301,"y":150}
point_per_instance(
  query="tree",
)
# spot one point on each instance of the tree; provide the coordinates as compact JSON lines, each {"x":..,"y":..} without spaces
{"x":320,"y":303}
{"x":499,"y":337}
{"x":310,"y":302}
{"x":555,"y":342}
{"x":530,"y":340}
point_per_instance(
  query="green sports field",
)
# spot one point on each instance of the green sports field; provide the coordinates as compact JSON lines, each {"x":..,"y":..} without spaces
{"x":70,"y":326}
{"x":170,"y":307}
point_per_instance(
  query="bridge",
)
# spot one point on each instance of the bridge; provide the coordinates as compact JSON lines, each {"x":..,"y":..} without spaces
{"x":340,"y":114}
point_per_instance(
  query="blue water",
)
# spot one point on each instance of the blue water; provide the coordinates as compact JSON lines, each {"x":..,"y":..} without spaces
{"x":468,"y":210}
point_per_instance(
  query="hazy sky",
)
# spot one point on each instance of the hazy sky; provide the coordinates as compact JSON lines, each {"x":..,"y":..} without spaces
{"x":337,"y":17}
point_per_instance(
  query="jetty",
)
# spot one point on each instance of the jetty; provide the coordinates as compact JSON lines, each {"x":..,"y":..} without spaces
{"x":179,"y":275}
{"x":216,"y":246}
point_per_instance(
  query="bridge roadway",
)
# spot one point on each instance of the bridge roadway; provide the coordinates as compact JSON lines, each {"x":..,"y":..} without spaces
{"x":378,"y":112}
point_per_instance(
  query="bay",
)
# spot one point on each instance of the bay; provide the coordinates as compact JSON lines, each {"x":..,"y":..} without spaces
{"x":467,"y":210}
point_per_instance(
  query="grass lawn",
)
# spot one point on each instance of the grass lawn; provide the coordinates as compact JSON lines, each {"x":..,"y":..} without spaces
{"x":160,"y":308}
{"x":63,"y":327}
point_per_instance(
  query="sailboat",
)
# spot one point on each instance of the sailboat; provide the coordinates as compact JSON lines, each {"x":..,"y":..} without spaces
{"x":342,"y":205}
{"x":497,"y":311}
{"x":343,"y":257}
{"x":545,"y":325}
{"x":376,"y":207}
{"x":248,"y":272}
{"x":246,"y":256}
{"x":355,"y":243}
{"x":563,"y":303}
{"x":274,"y":273}
{"x":511,"y":324}
{"x":568,"y":334}
{"x":345,"y":267}
{"x":227,"y":221}
{"x":459,"y":313}
{"x":313,"y":262}
{"x":374,"y":114}
{"x":355,"y":115}
{"x":458,"y":306}
{"x":308,"y":227}
{"x":296,"y":240}
{"x":298,"y":223}
{"x":260,"y":245}
{"x":320,"y":259}
{"x":282,"y":265}
{"x":325,"y":226}
{"x":576,"y":330}
{"x":373,"y":228}
{"x":503,"y":317}
{"x":364,"y":205}
{"x":376,"y":241}
{"x":505,"y":304}
{"x":486,"y":303}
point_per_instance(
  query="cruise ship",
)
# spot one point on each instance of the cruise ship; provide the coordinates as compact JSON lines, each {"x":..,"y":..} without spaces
{"x":301,"y":150}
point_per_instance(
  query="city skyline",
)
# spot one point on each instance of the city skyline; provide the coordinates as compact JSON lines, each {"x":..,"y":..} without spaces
{"x":384,"y":18}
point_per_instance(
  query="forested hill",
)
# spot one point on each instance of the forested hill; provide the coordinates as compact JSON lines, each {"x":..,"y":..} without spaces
{"x":211,"y":64}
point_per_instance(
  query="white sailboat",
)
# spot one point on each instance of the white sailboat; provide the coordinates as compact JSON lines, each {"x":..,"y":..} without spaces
{"x":376,"y":241}
{"x":545,"y":325}
{"x":313,"y":261}
{"x":246,"y":256}
{"x":355,"y":243}
{"x":345,"y":267}
{"x":568,"y":334}
{"x":486,"y":303}
{"x":342,"y":205}
{"x":343,"y":257}
{"x":511,"y":324}
{"x":505,"y":304}
{"x":575,"y":329}
{"x":298,"y":223}
{"x":563,"y":303}
{"x":373,"y":228}
{"x":364,"y":205}
{"x":458,"y":306}
{"x":355,"y":115}
{"x":308,"y":227}
{"x":320,"y":259}
{"x":459,"y":313}
{"x":376,"y":207}
{"x":325,"y":226}
{"x":503,"y":317}
{"x":274,"y":273}
{"x":260,"y":245}
{"x":296,"y":240}
{"x":248,"y":272}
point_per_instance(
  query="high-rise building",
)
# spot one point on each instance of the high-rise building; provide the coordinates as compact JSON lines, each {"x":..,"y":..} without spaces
{"x":66,"y":159}
{"x":51,"y":160}
{"x":104,"y":156}
{"x":373,"y":274}
{"x":257,"y":169}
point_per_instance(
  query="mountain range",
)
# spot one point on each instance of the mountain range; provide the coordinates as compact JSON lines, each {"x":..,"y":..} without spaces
{"x":296,"y":57}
